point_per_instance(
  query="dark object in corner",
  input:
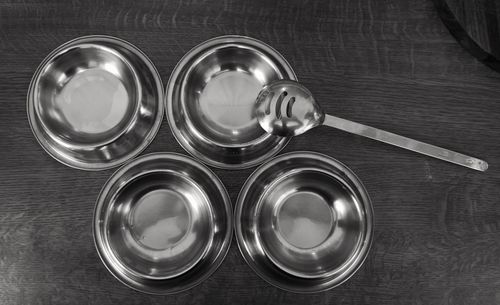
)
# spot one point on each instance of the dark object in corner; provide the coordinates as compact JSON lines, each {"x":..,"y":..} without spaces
{"x":474,"y":23}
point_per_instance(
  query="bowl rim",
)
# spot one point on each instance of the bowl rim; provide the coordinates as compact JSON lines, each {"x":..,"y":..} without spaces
{"x":200,"y":50}
{"x":225,"y":246}
{"x":367,"y":208}
{"x":38,"y":131}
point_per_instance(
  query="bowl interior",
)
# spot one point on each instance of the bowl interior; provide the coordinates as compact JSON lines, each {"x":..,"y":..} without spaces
{"x":309,"y":223}
{"x":220,"y":93}
{"x":304,"y":222}
{"x":95,"y":102}
{"x":211,"y":101}
{"x":87,"y":94}
{"x":162,"y":223}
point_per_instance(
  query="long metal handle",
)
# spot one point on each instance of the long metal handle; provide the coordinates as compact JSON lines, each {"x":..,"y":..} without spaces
{"x":404,"y":142}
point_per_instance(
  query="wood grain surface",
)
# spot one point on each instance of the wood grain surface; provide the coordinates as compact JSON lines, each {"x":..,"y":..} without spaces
{"x":391,"y":64}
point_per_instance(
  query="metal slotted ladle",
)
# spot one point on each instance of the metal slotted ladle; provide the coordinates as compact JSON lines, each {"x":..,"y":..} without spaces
{"x":287,"y":108}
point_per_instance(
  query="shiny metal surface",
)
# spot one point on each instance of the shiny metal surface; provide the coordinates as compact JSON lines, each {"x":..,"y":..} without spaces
{"x":304,"y":222}
{"x":95,"y":102}
{"x":210,"y":100}
{"x":286,"y":108}
{"x":162,"y":223}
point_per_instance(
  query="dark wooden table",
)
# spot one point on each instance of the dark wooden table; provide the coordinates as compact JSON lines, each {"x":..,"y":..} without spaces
{"x":390,"y":64}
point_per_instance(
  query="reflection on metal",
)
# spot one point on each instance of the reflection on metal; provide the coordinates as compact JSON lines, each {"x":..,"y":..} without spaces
{"x":163,"y":223}
{"x":304,"y":222}
{"x":210,"y":101}
{"x":95,"y":102}
{"x":475,"y":25}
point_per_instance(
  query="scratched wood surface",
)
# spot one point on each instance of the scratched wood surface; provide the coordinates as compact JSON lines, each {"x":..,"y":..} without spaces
{"x":389,"y":63}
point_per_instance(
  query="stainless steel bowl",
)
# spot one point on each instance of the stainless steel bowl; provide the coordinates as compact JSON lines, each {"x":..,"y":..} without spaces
{"x":162,"y":223}
{"x":304,"y":222}
{"x":95,"y":102}
{"x":210,"y":101}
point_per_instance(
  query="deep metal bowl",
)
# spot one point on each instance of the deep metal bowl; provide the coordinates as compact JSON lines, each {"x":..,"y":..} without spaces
{"x":304,"y":222}
{"x":95,"y":102}
{"x":210,"y":101}
{"x":162,"y":223}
